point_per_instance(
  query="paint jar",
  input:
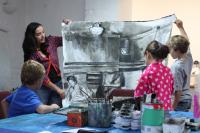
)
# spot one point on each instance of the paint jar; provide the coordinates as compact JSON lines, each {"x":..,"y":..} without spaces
{"x":152,"y":118}
{"x":174,"y":125}
{"x":99,"y":114}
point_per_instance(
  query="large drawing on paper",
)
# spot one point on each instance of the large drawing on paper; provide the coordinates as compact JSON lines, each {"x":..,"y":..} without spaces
{"x":104,"y":55}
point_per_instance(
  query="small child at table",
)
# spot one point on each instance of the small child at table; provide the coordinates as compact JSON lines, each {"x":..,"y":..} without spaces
{"x":24,"y":100}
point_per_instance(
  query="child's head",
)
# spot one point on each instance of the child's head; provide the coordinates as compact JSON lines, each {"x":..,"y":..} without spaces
{"x":155,"y":51}
{"x":178,"y":46}
{"x":32,"y":73}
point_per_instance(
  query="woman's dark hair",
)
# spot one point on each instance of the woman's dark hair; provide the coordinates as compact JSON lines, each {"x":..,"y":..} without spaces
{"x":30,"y":44}
{"x":157,"y":50}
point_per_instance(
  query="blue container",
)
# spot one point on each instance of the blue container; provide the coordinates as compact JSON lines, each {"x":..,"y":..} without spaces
{"x":99,"y":114}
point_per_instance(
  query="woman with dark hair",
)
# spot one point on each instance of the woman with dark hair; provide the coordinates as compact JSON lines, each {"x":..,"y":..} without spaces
{"x":157,"y":78}
{"x":39,"y":47}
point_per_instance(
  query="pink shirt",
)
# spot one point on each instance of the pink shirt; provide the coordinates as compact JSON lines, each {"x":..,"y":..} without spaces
{"x":52,"y":60}
{"x":157,"y":79}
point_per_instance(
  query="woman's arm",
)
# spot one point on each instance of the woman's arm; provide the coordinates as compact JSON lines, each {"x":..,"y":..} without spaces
{"x":54,"y":87}
{"x":57,"y":40}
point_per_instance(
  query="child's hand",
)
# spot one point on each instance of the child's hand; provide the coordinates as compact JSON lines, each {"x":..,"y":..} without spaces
{"x":179,"y":23}
{"x":55,"y":106}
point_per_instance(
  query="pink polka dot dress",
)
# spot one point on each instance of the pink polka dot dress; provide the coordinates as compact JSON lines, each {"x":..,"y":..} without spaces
{"x":157,"y":79}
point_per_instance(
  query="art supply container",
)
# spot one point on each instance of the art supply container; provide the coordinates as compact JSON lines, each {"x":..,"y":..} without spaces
{"x":174,"y":125}
{"x":77,"y":118}
{"x":152,"y":118}
{"x":196,"y":106}
{"x":99,"y":114}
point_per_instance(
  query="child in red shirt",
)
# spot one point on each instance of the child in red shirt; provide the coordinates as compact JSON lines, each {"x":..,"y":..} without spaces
{"x":156,"y":78}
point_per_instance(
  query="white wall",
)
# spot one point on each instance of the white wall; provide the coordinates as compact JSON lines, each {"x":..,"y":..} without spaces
{"x":108,"y":10}
{"x":102,"y":10}
{"x":50,"y":13}
{"x":10,"y":42}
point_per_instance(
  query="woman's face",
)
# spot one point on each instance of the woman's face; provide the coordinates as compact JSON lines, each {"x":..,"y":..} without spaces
{"x":40,"y":35}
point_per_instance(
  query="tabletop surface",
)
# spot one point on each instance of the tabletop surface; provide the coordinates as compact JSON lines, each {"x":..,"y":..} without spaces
{"x":54,"y":123}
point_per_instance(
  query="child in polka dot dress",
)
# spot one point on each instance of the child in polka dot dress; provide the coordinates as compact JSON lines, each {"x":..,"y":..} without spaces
{"x":156,"y":78}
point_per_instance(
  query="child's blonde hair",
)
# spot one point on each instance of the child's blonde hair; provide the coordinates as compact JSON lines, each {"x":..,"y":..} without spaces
{"x":31,"y":72}
{"x":180,"y":43}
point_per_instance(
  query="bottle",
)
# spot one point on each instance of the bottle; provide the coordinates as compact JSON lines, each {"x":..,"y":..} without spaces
{"x":153,"y":98}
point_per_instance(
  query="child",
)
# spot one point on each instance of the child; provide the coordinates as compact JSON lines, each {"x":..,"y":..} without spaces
{"x":181,"y":69}
{"x":156,"y":78}
{"x":24,"y":100}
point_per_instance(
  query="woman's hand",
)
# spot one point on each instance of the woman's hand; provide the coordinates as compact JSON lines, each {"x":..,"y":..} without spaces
{"x":67,"y":21}
{"x":61,"y":92}
{"x":57,"y":89}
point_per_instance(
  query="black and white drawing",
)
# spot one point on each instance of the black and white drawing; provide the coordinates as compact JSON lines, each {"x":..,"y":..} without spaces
{"x":109,"y":54}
